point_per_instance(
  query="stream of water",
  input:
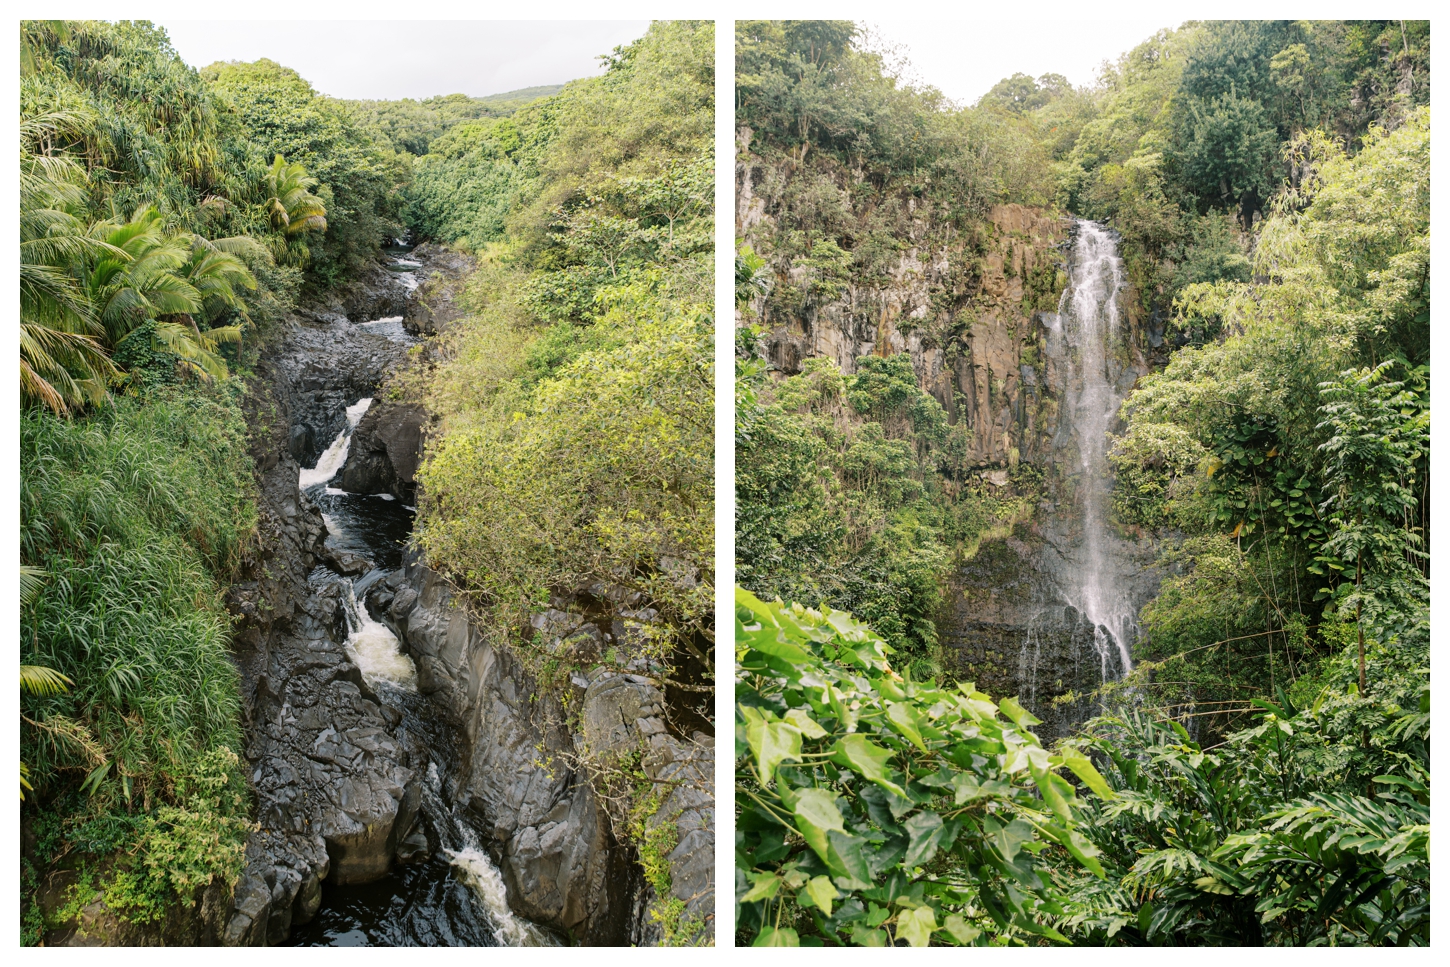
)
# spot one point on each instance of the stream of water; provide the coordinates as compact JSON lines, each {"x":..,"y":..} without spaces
{"x":456,"y":897}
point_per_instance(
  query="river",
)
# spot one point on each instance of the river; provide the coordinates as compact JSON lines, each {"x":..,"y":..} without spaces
{"x":454,"y":896}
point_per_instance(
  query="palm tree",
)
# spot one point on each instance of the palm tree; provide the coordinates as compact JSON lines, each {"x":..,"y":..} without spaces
{"x":291,"y":207}
{"x":136,"y":279}
{"x":62,"y":362}
{"x":167,"y":280}
{"x":36,"y":679}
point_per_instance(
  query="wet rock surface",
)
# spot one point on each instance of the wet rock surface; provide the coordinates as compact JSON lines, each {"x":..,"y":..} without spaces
{"x":385,"y":452}
{"x":527,"y":775}
{"x":375,"y":293}
{"x":436,"y":301}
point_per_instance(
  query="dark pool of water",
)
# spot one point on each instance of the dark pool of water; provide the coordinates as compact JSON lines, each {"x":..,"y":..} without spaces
{"x":414,"y":906}
{"x":378,"y":527}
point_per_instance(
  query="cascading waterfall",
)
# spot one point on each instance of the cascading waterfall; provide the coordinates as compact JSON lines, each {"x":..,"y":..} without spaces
{"x":1083,"y":336}
{"x":473,"y":865}
{"x":458,"y":896}
{"x":335,"y":455}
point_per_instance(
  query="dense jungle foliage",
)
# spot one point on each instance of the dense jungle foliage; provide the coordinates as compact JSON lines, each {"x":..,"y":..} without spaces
{"x":169,"y":218}
{"x":575,"y":447}
{"x":1268,"y":761}
{"x":856,"y":490}
{"x":156,"y":241}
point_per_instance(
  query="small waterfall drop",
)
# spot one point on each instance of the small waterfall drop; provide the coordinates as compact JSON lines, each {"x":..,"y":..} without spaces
{"x":472,"y":864}
{"x":1087,"y":329}
{"x":374,"y":648}
{"x":335,"y":455}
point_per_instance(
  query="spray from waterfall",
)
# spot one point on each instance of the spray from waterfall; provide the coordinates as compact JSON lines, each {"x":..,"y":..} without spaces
{"x":1088,"y":325}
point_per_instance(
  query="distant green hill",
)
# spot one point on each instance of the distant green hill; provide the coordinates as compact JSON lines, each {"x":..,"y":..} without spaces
{"x":513,"y":100}
{"x":411,"y":125}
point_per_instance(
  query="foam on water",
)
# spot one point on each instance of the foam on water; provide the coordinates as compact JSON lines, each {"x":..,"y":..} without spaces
{"x":335,"y":455}
{"x":375,"y":649}
{"x":477,"y":870}
{"x":460,"y":844}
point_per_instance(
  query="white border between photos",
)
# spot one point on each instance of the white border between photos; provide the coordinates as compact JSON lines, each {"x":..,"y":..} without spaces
{"x":723,"y":13}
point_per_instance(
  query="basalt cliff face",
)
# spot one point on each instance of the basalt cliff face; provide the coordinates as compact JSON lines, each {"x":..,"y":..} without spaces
{"x":528,"y":771}
{"x":977,"y":301}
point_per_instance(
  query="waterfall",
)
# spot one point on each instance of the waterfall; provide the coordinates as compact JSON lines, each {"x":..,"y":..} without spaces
{"x":1082,"y":338}
{"x":473,"y":865}
{"x":335,"y":455}
{"x":374,"y":648}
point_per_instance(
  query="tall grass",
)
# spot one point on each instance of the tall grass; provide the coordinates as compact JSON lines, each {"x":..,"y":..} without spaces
{"x":138,"y":516}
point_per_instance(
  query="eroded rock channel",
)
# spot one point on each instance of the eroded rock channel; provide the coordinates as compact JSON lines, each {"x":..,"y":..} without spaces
{"x":414,"y":787}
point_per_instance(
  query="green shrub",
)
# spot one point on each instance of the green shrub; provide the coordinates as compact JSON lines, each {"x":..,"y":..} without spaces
{"x":872,"y":809}
{"x":137,"y":516}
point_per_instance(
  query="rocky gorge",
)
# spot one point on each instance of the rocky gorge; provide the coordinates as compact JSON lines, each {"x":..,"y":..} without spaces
{"x":398,"y":749}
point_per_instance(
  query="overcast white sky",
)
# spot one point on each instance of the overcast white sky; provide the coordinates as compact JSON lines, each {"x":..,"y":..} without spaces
{"x":411,"y":58}
{"x":964,"y":59}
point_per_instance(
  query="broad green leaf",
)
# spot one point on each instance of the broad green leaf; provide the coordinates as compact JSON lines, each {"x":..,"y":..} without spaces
{"x":1145,"y":920}
{"x":864,"y":936}
{"x":777,"y":937}
{"x":1056,"y":792}
{"x":1020,"y":717}
{"x":916,"y":926}
{"x":1009,"y":839}
{"x":839,"y":706}
{"x":1084,"y":769}
{"x":961,"y":931}
{"x":847,"y":861}
{"x":823,"y":892}
{"x":815,"y":816}
{"x":769,"y":641}
{"x":773,"y":743}
{"x":861,"y":755}
{"x":802,"y":720}
{"x":966,"y":786}
{"x":1078,"y":845}
{"x":765,"y":887}
{"x":887,"y":687}
{"x":925,"y":831}
{"x":904,"y":718}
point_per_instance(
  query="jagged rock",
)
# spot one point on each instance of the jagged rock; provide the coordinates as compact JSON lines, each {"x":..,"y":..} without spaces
{"x":561,"y":862}
{"x":346,"y":562}
{"x":433,"y":304}
{"x":385,"y":451}
{"x":414,"y":847}
{"x":320,"y":365}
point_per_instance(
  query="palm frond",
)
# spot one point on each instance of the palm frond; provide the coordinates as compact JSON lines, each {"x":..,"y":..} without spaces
{"x":40,"y":680}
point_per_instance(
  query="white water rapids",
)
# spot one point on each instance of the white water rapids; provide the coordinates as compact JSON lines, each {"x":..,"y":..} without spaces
{"x":1087,"y":326}
{"x":475,"y":868}
{"x":335,"y":455}
{"x":374,"y":648}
